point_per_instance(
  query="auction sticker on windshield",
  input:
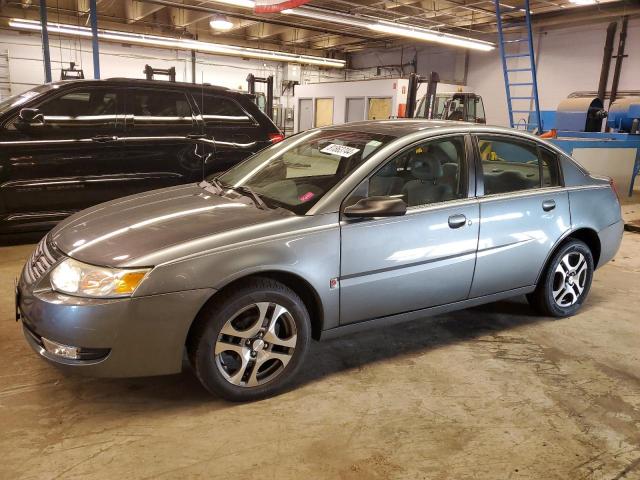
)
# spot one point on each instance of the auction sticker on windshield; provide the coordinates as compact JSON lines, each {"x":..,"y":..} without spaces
{"x":341,"y":150}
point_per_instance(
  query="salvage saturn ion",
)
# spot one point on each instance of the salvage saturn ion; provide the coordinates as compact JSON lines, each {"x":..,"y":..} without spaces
{"x":331,"y":231}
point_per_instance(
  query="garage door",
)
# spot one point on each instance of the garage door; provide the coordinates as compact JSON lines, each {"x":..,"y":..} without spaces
{"x":305,"y":114}
{"x":354,"y":110}
{"x":324,"y":112}
{"x":379,"y":108}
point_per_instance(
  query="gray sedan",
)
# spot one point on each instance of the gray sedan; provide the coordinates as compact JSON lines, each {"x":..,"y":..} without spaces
{"x":330,"y":231}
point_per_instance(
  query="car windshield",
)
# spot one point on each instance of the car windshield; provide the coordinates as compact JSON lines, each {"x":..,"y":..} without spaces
{"x":296,"y":173}
{"x":21,"y":98}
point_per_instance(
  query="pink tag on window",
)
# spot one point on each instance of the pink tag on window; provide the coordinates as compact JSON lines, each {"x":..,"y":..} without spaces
{"x":306,"y":197}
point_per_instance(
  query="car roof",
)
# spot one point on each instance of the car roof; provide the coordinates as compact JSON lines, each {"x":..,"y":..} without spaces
{"x":155,"y":83}
{"x":405,"y":126}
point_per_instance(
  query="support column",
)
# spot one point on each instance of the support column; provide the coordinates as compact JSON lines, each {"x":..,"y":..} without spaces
{"x":93,"y":16}
{"x":46,"y":56}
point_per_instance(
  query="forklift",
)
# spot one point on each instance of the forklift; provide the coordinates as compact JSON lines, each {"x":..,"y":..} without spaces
{"x":459,"y":106}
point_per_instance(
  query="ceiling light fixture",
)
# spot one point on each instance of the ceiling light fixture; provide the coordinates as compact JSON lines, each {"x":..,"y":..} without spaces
{"x":583,"y":2}
{"x":179,"y":43}
{"x":220,"y":22}
{"x":401,"y":30}
{"x":431,"y":36}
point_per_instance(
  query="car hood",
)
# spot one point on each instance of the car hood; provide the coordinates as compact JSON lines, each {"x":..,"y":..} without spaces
{"x":127,"y":231}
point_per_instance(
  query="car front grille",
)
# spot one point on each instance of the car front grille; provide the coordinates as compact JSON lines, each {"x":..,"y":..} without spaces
{"x":41,"y":261}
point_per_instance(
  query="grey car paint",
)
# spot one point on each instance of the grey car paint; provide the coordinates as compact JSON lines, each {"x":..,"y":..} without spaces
{"x":198,"y":243}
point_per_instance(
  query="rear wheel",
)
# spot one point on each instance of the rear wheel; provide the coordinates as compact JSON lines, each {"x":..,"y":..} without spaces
{"x":566,"y":281}
{"x":251,"y":342}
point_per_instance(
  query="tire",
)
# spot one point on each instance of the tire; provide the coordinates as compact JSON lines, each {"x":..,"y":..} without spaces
{"x":250,"y":342}
{"x":566,"y":281}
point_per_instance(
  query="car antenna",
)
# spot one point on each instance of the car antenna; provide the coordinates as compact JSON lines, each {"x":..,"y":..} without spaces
{"x":205,"y":157}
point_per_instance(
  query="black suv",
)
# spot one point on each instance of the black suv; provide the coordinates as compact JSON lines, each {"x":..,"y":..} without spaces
{"x":66,"y":146}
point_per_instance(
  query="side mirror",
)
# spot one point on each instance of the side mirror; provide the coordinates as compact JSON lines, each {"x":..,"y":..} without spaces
{"x":31,"y":116}
{"x":376,"y":207}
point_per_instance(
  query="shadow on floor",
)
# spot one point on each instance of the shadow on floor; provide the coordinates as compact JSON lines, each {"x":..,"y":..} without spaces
{"x":329,"y":357}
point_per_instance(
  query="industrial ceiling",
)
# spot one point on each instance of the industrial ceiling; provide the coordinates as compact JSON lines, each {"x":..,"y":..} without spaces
{"x":328,"y":28}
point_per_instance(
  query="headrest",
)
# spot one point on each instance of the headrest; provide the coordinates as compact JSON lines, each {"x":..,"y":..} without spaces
{"x":389,"y":170}
{"x":450,"y":169}
{"x":426,"y":167}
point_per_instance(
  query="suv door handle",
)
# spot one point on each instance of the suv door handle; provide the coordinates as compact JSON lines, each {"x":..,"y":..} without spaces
{"x":548,"y":205}
{"x":457,"y":221}
{"x":104,"y":138}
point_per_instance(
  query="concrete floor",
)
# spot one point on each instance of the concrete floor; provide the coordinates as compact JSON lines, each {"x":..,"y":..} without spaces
{"x":489,"y":393}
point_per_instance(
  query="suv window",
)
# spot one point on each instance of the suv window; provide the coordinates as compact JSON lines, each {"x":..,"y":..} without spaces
{"x":153,"y":107}
{"x":89,"y":107}
{"x":508,"y":165}
{"x":218,"y":110}
{"x":430,"y":172}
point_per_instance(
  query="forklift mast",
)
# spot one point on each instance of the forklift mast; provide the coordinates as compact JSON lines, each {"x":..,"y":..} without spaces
{"x":251,"y":87}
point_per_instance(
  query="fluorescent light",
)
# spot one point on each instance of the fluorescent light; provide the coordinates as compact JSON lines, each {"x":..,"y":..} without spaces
{"x":179,"y":43}
{"x":220,"y":22}
{"x":583,"y":2}
{"x":399,"y":29}
{"x":431,"y":36}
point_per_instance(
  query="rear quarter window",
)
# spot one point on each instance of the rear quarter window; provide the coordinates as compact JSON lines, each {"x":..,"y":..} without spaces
{"x":221,"y":110}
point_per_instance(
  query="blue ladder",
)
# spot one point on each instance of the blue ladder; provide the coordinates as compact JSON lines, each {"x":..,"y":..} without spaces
{"x":533,"y":120}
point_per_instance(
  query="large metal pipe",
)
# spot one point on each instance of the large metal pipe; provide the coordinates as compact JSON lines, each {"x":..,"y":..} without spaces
{"x":93,"y":16}
{"x":606,"y":60}
{"x":619,"y":57}
{"x":46,"y":56}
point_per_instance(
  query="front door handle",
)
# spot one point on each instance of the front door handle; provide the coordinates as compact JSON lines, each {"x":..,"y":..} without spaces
{"x":457,"y":221}
{"x":104,"y":138}
{"x":548,"y":205}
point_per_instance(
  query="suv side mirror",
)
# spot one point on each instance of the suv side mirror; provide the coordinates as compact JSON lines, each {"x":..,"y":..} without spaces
{"x":376,"y":207}
{"x":31,"y":117}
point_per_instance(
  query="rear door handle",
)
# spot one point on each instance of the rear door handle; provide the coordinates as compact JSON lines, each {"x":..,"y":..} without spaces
{"x":548,"y":205}
{"x":457,"y":221}
{"x":104,"y":138}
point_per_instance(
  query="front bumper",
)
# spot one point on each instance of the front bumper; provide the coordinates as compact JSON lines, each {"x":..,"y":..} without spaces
{"x":140,"y":336}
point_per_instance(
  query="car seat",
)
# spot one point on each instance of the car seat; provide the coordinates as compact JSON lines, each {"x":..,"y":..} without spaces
{"x":386,"y":181}
{"x":428,"y":186}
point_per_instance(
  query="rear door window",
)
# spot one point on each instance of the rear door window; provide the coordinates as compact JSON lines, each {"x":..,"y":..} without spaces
{"x":508,"y":164}
{"x":159,"y":108}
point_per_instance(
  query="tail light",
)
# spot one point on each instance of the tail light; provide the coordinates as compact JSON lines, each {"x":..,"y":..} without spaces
{"x":613,"y":187}
{"x":276,"y":137}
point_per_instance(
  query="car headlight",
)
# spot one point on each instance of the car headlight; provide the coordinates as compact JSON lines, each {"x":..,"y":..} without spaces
{"x":77,"y":278}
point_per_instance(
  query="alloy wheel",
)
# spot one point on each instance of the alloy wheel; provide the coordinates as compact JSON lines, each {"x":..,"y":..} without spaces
{"x":256,"y":344}
{"x":570,"y":279}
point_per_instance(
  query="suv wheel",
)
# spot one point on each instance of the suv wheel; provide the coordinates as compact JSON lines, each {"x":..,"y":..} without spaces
{"x":250,"y":343}
{"x":566,"y":282}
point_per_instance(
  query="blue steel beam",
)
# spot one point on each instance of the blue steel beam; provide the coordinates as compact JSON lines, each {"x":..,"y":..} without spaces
{"x":93,"y":15}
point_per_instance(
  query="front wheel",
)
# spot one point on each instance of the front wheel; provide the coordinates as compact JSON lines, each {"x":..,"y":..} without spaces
{"x":250,"y":342}
{"x":566,"y":281}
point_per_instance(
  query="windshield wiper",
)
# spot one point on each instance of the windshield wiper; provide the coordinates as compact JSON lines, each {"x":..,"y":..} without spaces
{"x":214,"y":183}
{"x":248,"y":191}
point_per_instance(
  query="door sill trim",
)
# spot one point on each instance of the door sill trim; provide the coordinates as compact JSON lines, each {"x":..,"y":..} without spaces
{"x":422,"y":313}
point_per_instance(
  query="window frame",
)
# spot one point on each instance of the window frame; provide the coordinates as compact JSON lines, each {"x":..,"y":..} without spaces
{"x":479,"y":171}
{"x":468,"y":166}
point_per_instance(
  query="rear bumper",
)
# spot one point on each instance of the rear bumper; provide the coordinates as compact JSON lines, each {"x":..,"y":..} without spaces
{"x":140,"y":336}
{"x":610,"y":239}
